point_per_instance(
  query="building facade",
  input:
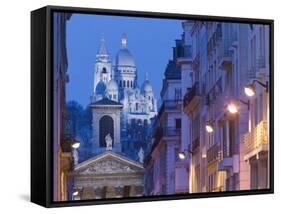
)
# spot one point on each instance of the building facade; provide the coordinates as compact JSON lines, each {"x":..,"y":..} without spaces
{"x":165,"y":172}
{"x":220,"y":69}
{"x":62,"y":144}
{"x":256,"y":140}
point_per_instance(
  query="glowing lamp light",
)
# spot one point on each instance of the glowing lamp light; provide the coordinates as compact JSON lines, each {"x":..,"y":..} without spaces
{"x":181,"y":155}
{"x":232,"y":108}
{"x":209,"y":128}
{"x":250,"y":90}
{"x":75,"y":193}
{"x":75,"y":144}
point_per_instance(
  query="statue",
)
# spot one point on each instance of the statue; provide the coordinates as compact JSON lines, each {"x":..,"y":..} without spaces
{"x":141,"y":155}
{"x":108,"y":141}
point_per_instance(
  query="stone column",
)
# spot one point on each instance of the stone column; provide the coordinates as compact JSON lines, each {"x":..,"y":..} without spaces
{"x":88,"y":193}
{"x":110,"y":192}
{"x":132,"y":192}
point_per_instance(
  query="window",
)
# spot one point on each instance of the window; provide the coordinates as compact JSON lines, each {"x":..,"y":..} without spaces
{"x":178,"y":123}
{"x":253,"y":52}
{"x":256,"y":113}
{"x":124,"y":83}
{"x":114,"y":96}
{"x":145,"y":122}
{"x":128,"y":84}
{"x":137,"y":106}
{"x":131,"y":84}
{"x":195,"y":127}
{"x":177,"y":94}
{"x":261,"y":107}
{"x":224,"y":140}
{"x":232,"y":137}
{"x":262,"y":42}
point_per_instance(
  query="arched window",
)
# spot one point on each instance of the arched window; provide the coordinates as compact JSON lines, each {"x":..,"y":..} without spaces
{"x":128,"y":84}
{"x":145,"y":122}
{"x":131,"y":84}
{"x":106,"y":127}
{"x":124,"y":83}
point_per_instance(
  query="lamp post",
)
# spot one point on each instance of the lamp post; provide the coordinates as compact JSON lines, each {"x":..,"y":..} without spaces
{"x":209,"y":127}
{"x":232,"y":107}
{"x":75,"y":144}
{"x":250,"y":89}
{"x":182,"y":154}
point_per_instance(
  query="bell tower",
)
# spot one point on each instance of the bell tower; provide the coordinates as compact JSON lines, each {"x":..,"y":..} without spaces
{"x":103,"y":68}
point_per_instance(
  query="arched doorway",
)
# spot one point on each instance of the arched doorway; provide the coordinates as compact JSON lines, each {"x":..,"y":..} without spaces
{"x":106,"y":127}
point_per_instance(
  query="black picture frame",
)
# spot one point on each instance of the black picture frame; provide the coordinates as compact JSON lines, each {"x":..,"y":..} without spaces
{"x":42,"y":100}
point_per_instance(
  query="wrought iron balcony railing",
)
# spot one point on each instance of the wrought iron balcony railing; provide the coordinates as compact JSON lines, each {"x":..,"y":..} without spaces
{"x":193,"y":92}
{"x":261,"y":62}
{"x":256,"y":138}
{"x":195,"y":144}
{"x":166,"y":132}
{"x":213,"y":153}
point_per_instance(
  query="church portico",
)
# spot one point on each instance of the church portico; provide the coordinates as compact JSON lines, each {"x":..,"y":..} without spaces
{"x":108,"y":175}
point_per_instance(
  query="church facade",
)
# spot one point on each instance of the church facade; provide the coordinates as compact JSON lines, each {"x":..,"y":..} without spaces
{"x":116,"y":80}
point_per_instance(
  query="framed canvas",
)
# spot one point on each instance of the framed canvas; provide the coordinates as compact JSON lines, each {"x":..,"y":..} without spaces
{"x":132,"y":106}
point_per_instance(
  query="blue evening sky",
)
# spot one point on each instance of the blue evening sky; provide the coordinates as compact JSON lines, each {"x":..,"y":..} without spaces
{"x":149,"y":40}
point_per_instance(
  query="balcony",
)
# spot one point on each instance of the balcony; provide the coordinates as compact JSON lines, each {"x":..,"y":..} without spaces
{"x":256,"y":141}
{"x":261,"y":67}
{"x":195,"y":144}
{"x":163,"y":132}
{"x":169,"y":105}
{"x":252,"y":72}
{"x":261,"y":62}
{"x":192,"y":97}
{"x":213,"y":153}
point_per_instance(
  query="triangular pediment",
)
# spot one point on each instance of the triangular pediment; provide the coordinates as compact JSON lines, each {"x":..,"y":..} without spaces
{"x":108,"y":163}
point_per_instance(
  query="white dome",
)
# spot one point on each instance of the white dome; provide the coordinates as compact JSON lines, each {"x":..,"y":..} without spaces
{"x":124,"y":58}
{"x":146,"y":86}
{"x":112,"y":85}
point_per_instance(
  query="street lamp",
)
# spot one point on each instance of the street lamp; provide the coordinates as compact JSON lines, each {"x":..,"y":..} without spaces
{"x":232,"y":108}
{"x":209,"y":128}
{"x":75,"y":144}
{"x":250,"y":89}
{"x":75,"y":193}
{"x":181,"y":155}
